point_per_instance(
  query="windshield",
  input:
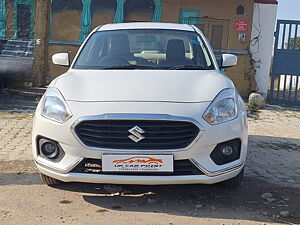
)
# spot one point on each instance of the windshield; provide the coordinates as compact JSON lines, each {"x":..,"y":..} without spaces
{"x":144,"y":49}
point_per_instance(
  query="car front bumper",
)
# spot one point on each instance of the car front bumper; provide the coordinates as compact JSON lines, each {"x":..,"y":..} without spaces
{"x":141,"y":180}
{"x":198,"y":153}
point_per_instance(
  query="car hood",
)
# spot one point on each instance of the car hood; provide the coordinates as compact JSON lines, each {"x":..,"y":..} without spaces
{"x":141,"y":85}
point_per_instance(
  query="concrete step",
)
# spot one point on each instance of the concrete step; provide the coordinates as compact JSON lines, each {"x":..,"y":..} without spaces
{"x":18,"y":47}
{"x":33,"y":92}
{"x":11,"y":53}
{"x":21,"y":42}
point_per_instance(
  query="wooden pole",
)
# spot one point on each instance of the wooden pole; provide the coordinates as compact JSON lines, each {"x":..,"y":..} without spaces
{"x":42,"y":28}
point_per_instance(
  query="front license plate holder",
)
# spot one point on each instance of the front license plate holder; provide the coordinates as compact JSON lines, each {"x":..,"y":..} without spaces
{"x":138,"y":163}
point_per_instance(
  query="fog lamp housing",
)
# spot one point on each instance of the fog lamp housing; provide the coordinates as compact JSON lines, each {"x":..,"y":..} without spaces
{"x":50,"y":149}
{"x":226,"y":152}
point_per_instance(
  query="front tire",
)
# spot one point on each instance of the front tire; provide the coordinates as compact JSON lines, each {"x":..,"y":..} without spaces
{"x":49,"y":180}
{"x":234,"y":182}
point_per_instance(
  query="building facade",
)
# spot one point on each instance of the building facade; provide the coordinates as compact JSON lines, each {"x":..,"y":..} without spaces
{"x":61,"y":26}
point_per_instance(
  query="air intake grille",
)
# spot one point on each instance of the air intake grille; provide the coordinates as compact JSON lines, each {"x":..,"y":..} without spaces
{"x":181,"y":168}
{"x":159,"y":134}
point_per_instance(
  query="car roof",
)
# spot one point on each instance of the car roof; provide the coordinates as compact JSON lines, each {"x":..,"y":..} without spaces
{"x":145,"y":25}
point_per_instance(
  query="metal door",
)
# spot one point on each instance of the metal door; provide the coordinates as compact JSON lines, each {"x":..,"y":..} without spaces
{"x":285,"y":81}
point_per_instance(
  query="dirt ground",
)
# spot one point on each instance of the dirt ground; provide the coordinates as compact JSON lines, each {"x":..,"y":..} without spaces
{"x":272,"y":170}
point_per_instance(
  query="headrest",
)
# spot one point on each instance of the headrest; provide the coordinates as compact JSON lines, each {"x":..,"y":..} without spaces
{"x":119,"y":45}
{"x":175,"y":50}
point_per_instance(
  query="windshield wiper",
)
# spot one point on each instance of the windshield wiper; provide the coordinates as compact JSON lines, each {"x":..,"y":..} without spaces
{"x":128,"y":66}
{"x":190,"y":67}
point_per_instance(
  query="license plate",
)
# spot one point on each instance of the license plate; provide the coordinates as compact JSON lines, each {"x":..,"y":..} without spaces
{"x":137,"y":163}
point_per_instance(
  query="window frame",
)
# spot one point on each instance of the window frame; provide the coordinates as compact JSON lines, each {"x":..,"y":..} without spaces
{"x":182,"y":18}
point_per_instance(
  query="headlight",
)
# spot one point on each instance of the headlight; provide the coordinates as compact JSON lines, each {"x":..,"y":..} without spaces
{"x":54,"y":106}
{"x":223,"y":108}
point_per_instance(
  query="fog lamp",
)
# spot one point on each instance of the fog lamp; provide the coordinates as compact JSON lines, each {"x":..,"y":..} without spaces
{"x":227,"y":150}
{"x":49,"y":149}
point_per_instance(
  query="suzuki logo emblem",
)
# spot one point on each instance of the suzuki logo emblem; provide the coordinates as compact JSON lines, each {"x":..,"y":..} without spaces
{"x":136,"y":134}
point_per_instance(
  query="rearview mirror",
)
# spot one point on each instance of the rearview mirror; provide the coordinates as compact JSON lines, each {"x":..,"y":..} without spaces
{"x":61,"y":59}
{"x":227,"y":61}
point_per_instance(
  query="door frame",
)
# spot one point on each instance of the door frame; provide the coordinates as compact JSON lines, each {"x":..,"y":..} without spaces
{"x":31,"y":3}
{"x":208,"y":22}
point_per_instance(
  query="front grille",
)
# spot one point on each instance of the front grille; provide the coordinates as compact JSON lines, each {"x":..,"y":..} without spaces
{"x":159,"y":134}
{"x":94,"y":166}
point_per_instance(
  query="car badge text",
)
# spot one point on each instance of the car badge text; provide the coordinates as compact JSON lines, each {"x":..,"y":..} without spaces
{"x":136,"y":134}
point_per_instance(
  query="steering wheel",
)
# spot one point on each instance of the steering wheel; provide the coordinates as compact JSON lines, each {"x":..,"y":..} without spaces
{"x":142,"y":61}
{"x":113,"y":61}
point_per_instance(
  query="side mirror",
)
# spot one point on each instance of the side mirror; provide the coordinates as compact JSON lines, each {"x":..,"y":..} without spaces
{"x":61,"y":59}
{"x":227,"y":61}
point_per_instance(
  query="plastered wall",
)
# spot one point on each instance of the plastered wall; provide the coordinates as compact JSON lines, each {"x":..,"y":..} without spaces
{"x":242,"y":75}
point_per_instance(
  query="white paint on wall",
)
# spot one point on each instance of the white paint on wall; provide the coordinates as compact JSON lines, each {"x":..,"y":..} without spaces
{"x":264,"y":20}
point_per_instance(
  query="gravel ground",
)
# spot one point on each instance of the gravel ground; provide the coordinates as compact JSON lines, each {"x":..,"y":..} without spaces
{"x":269,"y":194}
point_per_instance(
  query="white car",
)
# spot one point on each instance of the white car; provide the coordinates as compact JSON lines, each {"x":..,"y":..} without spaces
{"x":142,"y":103}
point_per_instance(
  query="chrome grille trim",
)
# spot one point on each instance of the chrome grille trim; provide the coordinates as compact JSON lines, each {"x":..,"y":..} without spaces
{"x":125,"y":116}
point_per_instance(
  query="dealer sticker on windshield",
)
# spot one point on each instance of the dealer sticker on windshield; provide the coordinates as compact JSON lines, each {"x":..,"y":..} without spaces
{"x":137,"y":163}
